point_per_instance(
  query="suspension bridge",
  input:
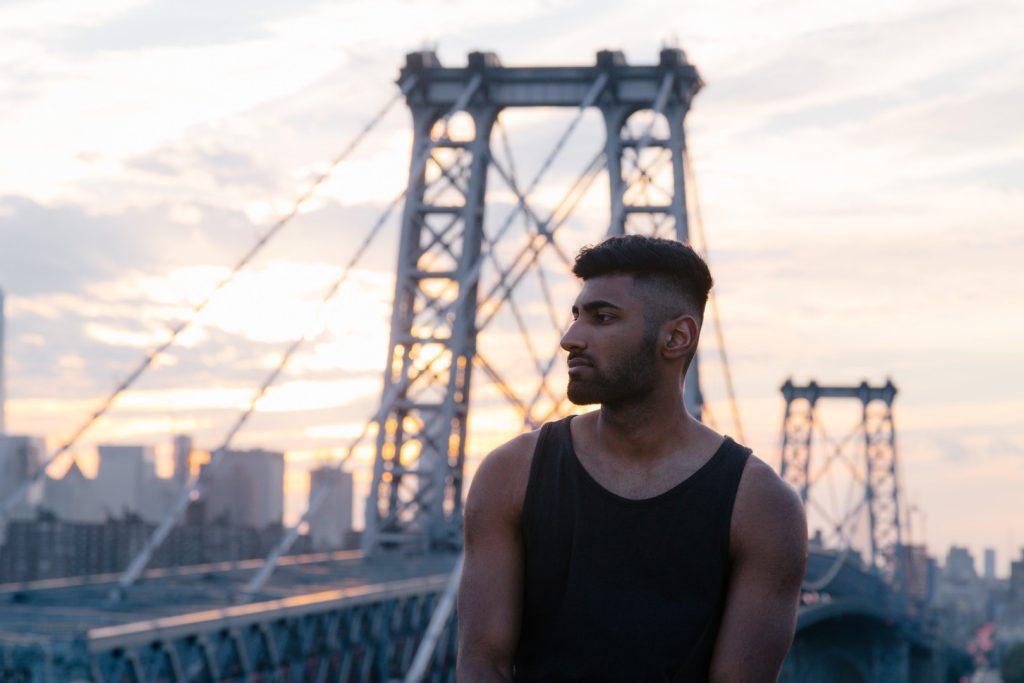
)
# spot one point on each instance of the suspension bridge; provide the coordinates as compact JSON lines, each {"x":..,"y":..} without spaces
{"x":478,"y":252}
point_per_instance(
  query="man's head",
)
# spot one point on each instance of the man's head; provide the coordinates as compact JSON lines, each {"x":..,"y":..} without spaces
{"x":668,"y":276}
{"x":643,"y":300}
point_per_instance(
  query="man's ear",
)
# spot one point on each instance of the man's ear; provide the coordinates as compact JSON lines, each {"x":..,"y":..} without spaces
{"x":680,"y":337}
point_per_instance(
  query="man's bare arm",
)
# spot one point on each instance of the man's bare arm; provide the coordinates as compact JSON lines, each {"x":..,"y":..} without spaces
{"x":491,"y":591}
{"x":769,"y":550}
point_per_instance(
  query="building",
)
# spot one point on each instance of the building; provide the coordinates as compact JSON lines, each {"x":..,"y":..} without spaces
{"x":20,"y":458}
{"x":122,"y":473}
{"x":990,"y":564}
{"x":246,"y":488}
{"x":918,"y":574}
{"x":127,"y":484}
{"x":73,"y":497}
{"x":1010,"y":625}
{"x":330,"y":527}
{"x":960,"y":565}
{"x":182,"y":458}
{"x":1017,"y":582}
{"x":961,"y":597}
{"x":50,"y":548}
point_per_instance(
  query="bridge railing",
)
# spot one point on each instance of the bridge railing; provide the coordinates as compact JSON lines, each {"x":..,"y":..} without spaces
{"x":364,"y":633}
{"x":368,"y":633}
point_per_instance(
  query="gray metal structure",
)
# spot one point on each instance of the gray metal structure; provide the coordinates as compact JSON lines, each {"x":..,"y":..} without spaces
{"x":324,"y":617}
{"x":416,"y":496}
{"x":854,"y":630}
{"x":874,"y":473}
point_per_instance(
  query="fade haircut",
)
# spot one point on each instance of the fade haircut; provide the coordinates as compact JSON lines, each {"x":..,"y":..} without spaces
{"x":672,"y":278}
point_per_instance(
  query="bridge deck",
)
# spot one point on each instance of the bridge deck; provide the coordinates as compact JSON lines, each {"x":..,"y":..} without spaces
{"x":62,"y":609}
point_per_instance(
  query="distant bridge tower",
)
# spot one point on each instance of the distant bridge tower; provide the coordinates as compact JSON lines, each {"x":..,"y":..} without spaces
{"x":416,"y":498}
{"x":865,"y":458}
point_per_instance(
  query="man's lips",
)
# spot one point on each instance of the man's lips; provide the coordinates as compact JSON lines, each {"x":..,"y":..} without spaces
{"x":577,"y":364}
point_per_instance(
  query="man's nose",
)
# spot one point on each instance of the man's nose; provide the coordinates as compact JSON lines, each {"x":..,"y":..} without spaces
{"x":572,"y":339}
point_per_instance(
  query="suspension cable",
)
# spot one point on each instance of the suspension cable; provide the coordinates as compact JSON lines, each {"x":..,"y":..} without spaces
{"x":438,"y":621}
{"x":568,"y":204}
{"x":418,"y":160}
{"x":321,"y":495}
{"x":8,"y":506}
{"x":292,"y":533}
{"x":691,"y":181}
{"x":543,"y":226}
{"x":571,"y":200}
{"x":140,"y":561}
{"x":657,"y":107}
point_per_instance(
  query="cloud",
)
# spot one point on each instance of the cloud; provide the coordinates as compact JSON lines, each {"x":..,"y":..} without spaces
{"x":182,"y":23}
{"x":62,"y":248}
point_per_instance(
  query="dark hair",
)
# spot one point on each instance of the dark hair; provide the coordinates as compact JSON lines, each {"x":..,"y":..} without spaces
{"x":674,"y":268}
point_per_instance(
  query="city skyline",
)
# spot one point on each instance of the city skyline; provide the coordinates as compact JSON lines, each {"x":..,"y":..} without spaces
{"x":859,"y":171}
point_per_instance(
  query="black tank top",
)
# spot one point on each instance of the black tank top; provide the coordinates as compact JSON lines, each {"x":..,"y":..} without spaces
{"x":619,"y":589}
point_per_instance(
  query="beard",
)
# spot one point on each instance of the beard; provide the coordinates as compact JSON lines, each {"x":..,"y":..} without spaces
{"x":629,"y":374}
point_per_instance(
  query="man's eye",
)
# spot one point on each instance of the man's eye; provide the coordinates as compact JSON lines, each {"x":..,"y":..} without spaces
{"x":604,"y":317}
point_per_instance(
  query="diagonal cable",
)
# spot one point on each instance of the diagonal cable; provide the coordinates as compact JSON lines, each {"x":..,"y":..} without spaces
{"x":524,"y":207}
{"x":549,"y":300}
{"x":691,"y":181}
{"x":658,"y":106}
{"x":151,"y":356}
{"x":588,"y":101}
{"x":195,"y":484}
{"x":438,"y":622}
{"x":585,"y":181}
{"x":532,"y":251}
{"x":417,"y":161}
{"x":500,"y":383}
{"x":390,"y":394}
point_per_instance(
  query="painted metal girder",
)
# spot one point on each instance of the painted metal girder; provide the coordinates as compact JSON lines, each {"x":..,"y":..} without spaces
{"x":874,"y":474}
{"x":415,"y":502}
{"x":364,"y":634}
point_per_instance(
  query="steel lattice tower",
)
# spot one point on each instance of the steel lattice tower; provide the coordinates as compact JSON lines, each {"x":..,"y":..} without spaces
{"x":415,"y":502}
{"x":875,"y":473}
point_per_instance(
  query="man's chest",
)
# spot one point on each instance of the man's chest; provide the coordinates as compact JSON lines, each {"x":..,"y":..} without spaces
{"x":638,"y":481}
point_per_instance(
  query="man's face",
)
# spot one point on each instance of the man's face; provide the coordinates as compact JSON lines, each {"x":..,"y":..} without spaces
{"x":611,"y":350}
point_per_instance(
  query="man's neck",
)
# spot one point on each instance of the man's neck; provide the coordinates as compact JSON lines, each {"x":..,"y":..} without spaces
{"x":649,"y":428}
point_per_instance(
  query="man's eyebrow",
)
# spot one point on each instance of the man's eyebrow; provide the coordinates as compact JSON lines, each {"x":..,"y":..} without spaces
{"x":592,"y":306}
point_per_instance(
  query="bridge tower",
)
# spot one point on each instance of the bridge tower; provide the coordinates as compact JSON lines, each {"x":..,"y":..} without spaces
{"x":865,"y":457}
{"x":415,"y":501}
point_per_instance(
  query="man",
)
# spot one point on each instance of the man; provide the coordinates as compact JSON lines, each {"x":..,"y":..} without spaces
{"x":631,"y":543}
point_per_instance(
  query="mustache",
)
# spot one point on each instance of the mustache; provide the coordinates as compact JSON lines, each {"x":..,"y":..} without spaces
{"x":581,"y":356}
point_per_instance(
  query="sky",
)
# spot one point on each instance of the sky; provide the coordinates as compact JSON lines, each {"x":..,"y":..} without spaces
{"x":860,"y":170}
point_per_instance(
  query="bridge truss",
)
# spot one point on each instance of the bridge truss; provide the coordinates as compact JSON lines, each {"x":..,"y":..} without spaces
{"x":455,"y":272}
{"x":369,"y":632}
{"x":864,"y":461}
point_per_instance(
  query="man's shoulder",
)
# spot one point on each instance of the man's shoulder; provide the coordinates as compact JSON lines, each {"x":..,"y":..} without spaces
{"x":503,"y":475}
{"x":761,"y":482}
{"x":511,"y":455}
{"x":766,"y":509}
